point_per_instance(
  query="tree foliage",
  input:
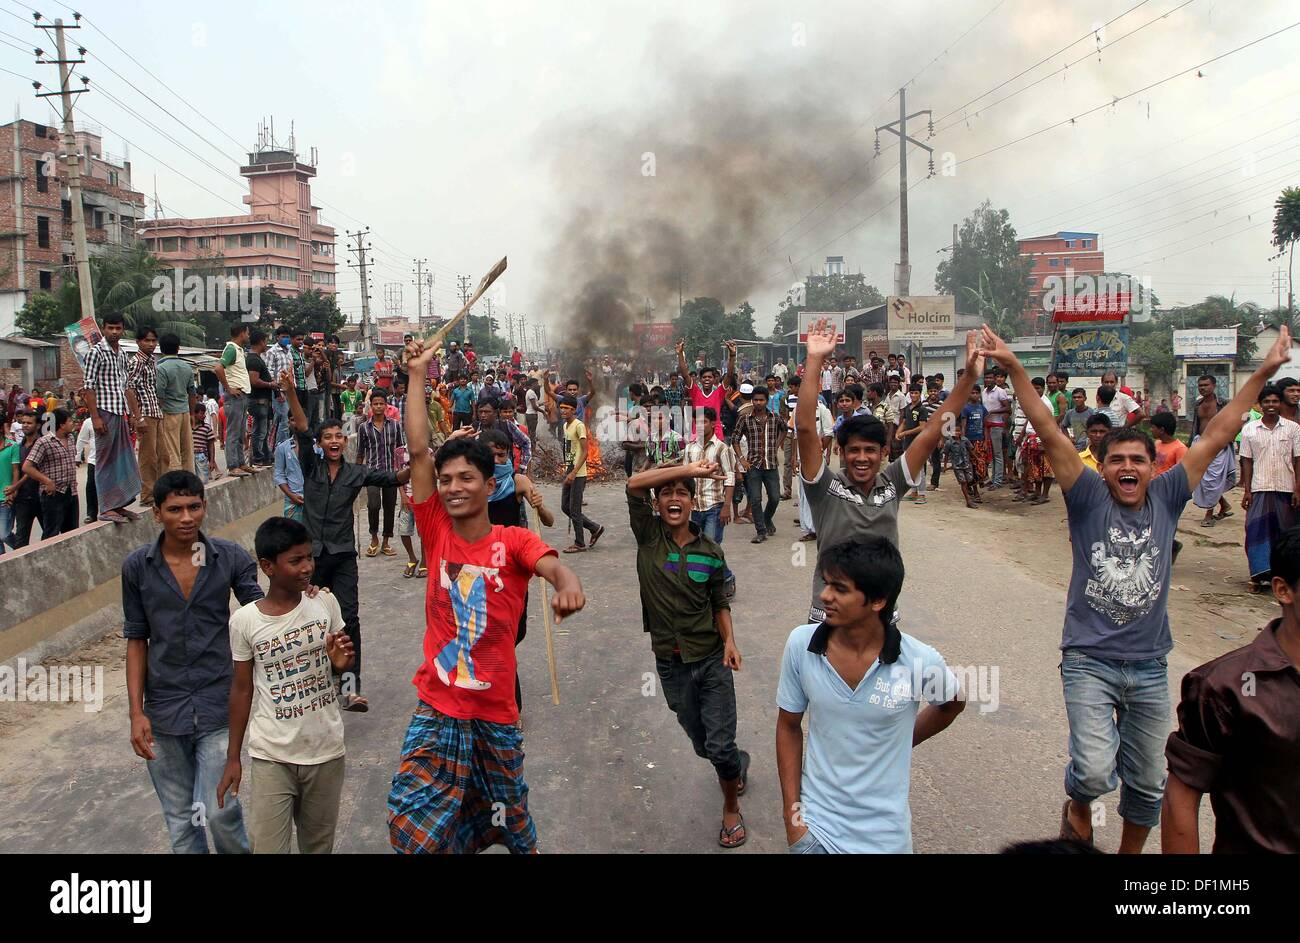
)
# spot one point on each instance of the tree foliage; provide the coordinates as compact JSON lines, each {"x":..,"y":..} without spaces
{"x":704,"y":324}
{"x":1152,"y":342}
{"x":825,"y":293}
{"x":986,"y":270}
{"x":1286,"y":226}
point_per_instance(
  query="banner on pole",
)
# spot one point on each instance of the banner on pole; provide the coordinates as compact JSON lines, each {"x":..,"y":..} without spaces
{"x":1091,"y":351}
{"x":82,"y":336}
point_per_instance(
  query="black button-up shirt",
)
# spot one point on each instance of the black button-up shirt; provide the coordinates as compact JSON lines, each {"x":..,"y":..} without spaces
{"x":187,"y":688}
{"x":1238,"y":739}
{"x":327,"y":504}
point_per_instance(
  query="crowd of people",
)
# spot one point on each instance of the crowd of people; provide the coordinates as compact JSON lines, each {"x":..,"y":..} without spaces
{"x":449,"y":456}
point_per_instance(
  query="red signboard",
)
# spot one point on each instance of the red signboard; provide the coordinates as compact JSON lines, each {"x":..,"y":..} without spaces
{"x":654,"y":335}
{"x":1109,"y":307}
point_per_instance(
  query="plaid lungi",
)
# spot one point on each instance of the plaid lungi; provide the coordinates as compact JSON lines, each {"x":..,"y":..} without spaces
{"x":981,"y":456}
{"x":117,"y":476}
{"x":1037,"y":466}
{"x":459,"y":787}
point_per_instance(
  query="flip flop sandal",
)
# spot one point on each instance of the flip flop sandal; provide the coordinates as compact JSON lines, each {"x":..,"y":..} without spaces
{"x":238,"y":474}
{"x":409,"y":571}
{"x":355,"y":703}
{"x":726,"y":833}
{"x":575,"y":549}
{"x":596,"y":536}
{"x":1209,"y":522}
{"x":389,"y":552}
{"x":422,"y":572}
{"x":131,"y":515}
{"x":1067,"y":830}
{"x":1223,"y":515}
{"x":744,"y":773}
{"x":372,"y":550}
{"x":112,"y":517}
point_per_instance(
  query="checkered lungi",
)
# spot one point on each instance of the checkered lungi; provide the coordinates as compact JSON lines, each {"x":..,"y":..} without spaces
{"x":1037,"y":466}
{"x":459,"y":787}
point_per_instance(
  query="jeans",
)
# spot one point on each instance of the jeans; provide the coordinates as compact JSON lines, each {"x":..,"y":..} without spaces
{"x":703,"y":696}
{"x":711,"y":526}
{"x":315,"y":407}
{"x":995,"y":440}
{"x":808,"y":845}
{"x":936,"y":465}
{"x":185,"y":773}
{"x":787,"y":470}
{"x":58,"y":514}
{"x":236,"y":407}
{"x":26,"y":510}
{"x":6,"y":524}
{"x":756,"y":479}
{"x":337,"y":572}
{"x":261,"y":413}
{"x":571,"y":507}
{"x":1118,"y":713}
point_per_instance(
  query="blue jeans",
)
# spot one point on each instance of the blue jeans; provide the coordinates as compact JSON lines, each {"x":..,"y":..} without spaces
{"x":1118,"y":712}
{"x":710,"y":524}
{"x":808,"y":845}
{"x":6,"y":524}
{"x":280,"y":409}
{"x":236,"y":407}
{"x":185,"y":773}
{"x":756,"y":479}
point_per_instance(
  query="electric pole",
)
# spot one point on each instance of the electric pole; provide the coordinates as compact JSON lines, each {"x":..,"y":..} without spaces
{"x":487,"y":311}
{"x":464,"y":300}
{"x":419,"y":288}
{"x":360,"y":250}
{"x":72,"y":159}
{"x":903,"y":276}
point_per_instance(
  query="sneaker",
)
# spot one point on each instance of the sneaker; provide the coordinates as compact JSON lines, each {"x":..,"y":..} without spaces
{"x":758,"y":538}
{"x":771,"y":530}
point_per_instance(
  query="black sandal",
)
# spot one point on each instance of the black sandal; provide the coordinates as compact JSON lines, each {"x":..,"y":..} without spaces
{"x":726,"y":833}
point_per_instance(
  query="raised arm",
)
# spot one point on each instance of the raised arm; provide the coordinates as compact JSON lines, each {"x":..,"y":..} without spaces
{"x":641,"y":483}
{"x":682,"y":369}
{"x":297,"y":418}
{"x":927,"y":440}
{"x":821,"y":344}
{"x":1066,"y":464}
{"x":1223,"y":428}
{"x":420,"y":468}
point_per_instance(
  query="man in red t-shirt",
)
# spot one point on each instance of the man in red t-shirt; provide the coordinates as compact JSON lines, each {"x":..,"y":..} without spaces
{"x":460,"y":785}
{"x":706,"y":392}
{"x":516,"y":359}
{"x":383,"y":372}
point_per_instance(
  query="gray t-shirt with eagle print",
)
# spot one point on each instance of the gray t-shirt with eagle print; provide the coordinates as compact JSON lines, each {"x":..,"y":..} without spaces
{"x":841,"y":512}
{"x":1117,"y":605}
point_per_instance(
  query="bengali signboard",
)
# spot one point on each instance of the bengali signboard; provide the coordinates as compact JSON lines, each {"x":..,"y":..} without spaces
{"x":1218,"y":342}
{"x":654,"y":335}
{"x":1085,"y":307}
{"x":874,"y":339}
{"x":808,"y":318}
{"x":921,"y":318}
{"x":1091,"y":351}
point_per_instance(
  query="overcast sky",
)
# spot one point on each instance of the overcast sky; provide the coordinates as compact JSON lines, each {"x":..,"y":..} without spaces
{"x":442,"y":125}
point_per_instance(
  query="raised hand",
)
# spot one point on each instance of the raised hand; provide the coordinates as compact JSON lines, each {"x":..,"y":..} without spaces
{"x":974,"y":355}
{"x":680,"y":347}
{"x":821,"y":338}
{"x":996,"y":347}
{"x":1280,"y":352}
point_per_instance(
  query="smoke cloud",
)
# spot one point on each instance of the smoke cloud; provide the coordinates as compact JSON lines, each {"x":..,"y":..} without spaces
{"x":694,"y":191}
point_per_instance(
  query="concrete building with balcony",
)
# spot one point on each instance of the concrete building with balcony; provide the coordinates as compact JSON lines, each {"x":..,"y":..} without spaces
{"x":1053,"y":255}
{"x":279,"y":244}
{"x":36,"y":210}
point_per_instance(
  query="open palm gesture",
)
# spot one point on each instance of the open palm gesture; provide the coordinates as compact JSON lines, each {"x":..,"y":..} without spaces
{"x":821,"y":338}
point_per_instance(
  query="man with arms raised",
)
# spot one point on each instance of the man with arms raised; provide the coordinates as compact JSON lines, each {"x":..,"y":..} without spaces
{"x":460,"y":785}
{"x":863,"y":499}
{"x":1114,"y":669}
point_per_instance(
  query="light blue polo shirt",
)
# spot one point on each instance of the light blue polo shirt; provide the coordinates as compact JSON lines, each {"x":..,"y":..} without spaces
{"x":857,"y":765}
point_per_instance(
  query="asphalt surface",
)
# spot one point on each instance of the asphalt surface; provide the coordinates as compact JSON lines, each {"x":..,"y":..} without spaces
{"x":609,"y":769}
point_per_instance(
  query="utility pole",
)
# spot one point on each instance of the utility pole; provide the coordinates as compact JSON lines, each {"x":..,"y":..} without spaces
{"x":487,"y":311}
{"x":464,"y":300}
{"x":419,"y":288}
{"x":903,"y":276}
{"x":72,"y":159}
{"x":360,"y":250}
{"x":523,"y":334}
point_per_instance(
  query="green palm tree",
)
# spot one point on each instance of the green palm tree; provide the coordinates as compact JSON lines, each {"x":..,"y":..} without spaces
{"x":122,"y":283}
{"x":1286,"y":232}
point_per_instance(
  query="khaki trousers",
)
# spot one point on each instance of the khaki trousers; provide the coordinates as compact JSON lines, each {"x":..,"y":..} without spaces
{"x":149,"y":447}
{"x":284,"y":795}
{"x":176,"y":440}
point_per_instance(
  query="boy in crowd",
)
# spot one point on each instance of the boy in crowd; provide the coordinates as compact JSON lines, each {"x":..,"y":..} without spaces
{"x":1270,"y":462}
{"x":295,"y":737}
{"x":712,"y":509}
{"x":288,"y":478}
{"x":956,"y":449}
{"x":53,"y":463}
{"x":176,"y":621}
{"x":575,"y":479}
{"x":1038,"y":465}
{"x":24,"y":493}
{"x":1116,"y":638}
{"x":406,"y":522}
{"x":684,"y":608}
{"x":1094,"y":435}
{"x":1238,"y":735}
{"x":462,"y":403}
{"x":205,"y":444}
{"x":460,"y":785}
{"x":1074,"y":421}
{"x":971,"y":427}
{"x":1169,"y":450}
{"x":849,"y":795}
{"x":914,"y":415}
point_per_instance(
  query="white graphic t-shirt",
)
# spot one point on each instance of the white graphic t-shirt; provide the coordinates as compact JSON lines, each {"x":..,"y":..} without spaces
{"x":295,"y":716}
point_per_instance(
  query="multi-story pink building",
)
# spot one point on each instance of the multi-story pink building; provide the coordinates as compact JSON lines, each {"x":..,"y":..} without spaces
{"x":1053,"y":255}
{"x":280,"y":244}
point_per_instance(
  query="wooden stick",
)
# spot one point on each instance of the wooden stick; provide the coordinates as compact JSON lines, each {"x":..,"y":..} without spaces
{"x":546,"y":618}
{"x":436,"y":338}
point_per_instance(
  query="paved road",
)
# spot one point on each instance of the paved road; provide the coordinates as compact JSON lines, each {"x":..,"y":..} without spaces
{"x":609,"y":769}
